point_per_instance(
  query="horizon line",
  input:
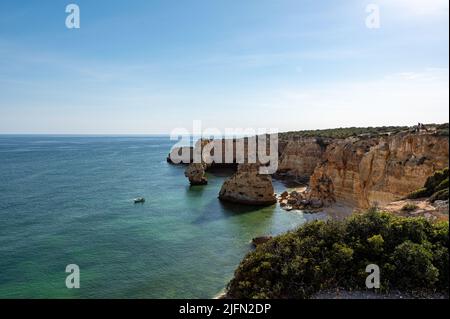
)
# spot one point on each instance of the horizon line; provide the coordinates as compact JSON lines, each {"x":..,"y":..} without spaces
{"x":168,"y":134}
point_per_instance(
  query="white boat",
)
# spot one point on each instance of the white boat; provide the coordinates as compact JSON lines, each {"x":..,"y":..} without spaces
{"x":139,"y":200}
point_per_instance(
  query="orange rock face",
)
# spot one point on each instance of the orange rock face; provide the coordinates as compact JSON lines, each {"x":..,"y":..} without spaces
{"x":248,"y":187}
{"x":379,"y":170}
{"x":300,"y":157}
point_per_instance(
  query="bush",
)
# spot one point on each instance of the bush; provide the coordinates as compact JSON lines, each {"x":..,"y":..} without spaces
{"x":413,"y":266}
{"x":346,"y":132}
{"x":420,"y":193}
{"x":376,"y":243}
{"x":412,"y":254}
{"x":436,"y":187}
{"x":361,"y":132}
{"x":409,"y":207}
{"x":438,"y":181}
{"x":440,"y":195}
{"x":442,"y":129}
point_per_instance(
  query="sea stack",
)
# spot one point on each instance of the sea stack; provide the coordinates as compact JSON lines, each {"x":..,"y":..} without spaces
{"x":248,"y":187}
{"x":195,"y":172}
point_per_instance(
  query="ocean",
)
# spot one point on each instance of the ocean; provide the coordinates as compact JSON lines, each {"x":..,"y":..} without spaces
{"x":69,"y":200}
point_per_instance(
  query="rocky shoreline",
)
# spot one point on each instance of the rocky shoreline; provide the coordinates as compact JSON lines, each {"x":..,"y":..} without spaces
{"x":341,"y":176}
{"x":358,"y":171}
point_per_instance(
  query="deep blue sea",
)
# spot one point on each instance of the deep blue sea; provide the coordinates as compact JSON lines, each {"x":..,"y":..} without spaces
{"x":69,"y":200}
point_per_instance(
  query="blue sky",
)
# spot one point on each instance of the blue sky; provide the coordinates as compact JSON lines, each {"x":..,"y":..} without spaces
{"x":150,"y":66}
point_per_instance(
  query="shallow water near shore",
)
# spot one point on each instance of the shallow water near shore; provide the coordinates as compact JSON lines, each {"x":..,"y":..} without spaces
{"x":69,"y":200}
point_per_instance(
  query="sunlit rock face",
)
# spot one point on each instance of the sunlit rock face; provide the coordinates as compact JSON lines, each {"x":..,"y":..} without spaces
{"x":365,"y":172}
{"x":300,"y":157}
{"x":248,"y":187}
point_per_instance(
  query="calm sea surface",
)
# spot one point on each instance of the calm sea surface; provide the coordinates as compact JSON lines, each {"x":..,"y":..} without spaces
{"x":69,"y":200}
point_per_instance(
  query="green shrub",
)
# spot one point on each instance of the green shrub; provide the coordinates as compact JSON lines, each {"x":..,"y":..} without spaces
{"x":413,"y":266}
{"x":412,"y":254}
{"x":436,"y":187}
{"x":376,"y":243}
{"x":443,"y":185}
{"x":436,"y":179}
{"x":442,"y":129}
{"x":409,"y":207}
{"x":420,"y":193}
{"x":345,"y":132}
{"x":440,"y":195}
{"x":362,"y":132}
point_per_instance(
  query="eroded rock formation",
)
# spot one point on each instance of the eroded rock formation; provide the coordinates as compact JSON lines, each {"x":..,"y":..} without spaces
{"x":359,"y":171}
{"x":300,"y":157}
{"x":366,"y":172}
{"x":248,"y":187}
{"x":300,"y":200}
{"x":195,"y":172}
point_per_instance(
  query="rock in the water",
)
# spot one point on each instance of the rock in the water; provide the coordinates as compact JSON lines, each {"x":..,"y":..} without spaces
{"x":260,"y":240}
{"x":248,"y":187}
{"x":283,"y":202}
{"x":195,"y":172}
{"x":296,"y":200}
{"x":295,"y":194}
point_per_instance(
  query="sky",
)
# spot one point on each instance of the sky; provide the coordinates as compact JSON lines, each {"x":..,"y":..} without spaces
{"x":148,"y":66}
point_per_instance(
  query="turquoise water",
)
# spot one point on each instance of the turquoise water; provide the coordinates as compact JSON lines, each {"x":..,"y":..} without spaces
{"x":68,"y":200}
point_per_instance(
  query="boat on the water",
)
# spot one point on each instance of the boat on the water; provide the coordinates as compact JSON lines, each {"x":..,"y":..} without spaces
{"x":139,"y":200}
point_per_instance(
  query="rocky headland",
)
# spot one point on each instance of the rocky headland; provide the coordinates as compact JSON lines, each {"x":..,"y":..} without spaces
{"x":385,"y":176}
{"x":356,"y":167}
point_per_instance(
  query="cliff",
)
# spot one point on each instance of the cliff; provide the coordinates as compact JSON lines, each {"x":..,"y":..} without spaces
{"x":300,"y":157}
{"x":364,"y":172}
{"x":360,"y":167}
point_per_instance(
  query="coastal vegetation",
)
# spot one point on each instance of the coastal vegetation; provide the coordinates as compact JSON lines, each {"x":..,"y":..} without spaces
{"x":442,"y":129}
{"x":346,"y":132}
{"x":409,"y":207}
{"x":412,"y":254}
{"x":436,"y":187}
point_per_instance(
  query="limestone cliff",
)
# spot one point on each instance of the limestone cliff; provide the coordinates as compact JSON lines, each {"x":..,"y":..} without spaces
{"x":360,"y":167}
{"x":248,"y":187}
{"x":364,"y":172}
{"x":300,"y":157}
